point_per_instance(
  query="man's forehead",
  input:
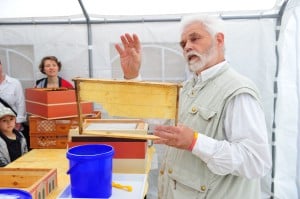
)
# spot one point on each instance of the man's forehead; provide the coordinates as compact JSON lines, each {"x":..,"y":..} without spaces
{"x":194,"y":31}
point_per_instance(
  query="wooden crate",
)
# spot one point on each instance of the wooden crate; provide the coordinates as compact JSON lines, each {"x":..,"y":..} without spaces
{"x":48,"y":140}
{"x":39,"y":182}
{"x":40,"y":125}
{"x":53,"y":133}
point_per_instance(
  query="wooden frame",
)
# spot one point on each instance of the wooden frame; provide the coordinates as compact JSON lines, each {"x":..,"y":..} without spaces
{"x":129,"y":98}
{"x":138,"y":132}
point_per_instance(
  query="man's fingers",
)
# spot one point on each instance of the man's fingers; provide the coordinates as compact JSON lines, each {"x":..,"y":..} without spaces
{"x":124,"y":41}
{"x":119,"y":49}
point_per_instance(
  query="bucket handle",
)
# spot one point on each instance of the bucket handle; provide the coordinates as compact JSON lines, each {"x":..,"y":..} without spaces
{"x":72,"y":168}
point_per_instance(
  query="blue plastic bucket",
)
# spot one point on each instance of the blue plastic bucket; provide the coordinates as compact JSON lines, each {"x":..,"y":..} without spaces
{"x":91,"y":170}
{"x":11,"y":193}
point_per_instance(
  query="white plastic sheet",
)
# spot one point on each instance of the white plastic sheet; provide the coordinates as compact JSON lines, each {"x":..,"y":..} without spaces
{"x":287,"y":143}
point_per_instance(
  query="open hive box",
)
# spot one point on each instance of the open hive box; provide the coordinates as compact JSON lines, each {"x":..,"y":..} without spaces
{"x":39,"y":182}
{"x":130,"y":154}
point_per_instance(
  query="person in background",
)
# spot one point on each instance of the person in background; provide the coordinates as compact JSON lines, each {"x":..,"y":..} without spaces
{"x":12,"y":142}
{"x":12,"y":95}
{"x":50,"y":66}
{"x":219,"y":148}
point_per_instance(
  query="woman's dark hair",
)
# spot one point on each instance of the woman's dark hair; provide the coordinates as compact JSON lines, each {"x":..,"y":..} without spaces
{"x":53,"y":58}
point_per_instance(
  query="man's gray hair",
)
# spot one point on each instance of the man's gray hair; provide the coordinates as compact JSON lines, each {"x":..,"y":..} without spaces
{"x":212,"y":24}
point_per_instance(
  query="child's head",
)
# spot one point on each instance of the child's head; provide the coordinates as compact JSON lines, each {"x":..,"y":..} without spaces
{"x":7,"y":119}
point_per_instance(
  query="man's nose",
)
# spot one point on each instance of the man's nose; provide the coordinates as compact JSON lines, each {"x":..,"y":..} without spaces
{"x":188,"y":47}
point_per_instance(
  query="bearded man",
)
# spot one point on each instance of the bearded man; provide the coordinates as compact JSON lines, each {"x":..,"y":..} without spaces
{"x":219,"y":149}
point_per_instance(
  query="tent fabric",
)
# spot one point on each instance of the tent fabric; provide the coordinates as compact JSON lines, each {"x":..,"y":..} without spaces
{"x":250,"y":49}
{"x":287,"y":165}
{"x":57,"y":8}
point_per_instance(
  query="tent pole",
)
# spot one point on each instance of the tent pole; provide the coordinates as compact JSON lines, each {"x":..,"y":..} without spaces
{"x":275,"y":90}
{"x":90,"y":37}
{"x":106,"y":20}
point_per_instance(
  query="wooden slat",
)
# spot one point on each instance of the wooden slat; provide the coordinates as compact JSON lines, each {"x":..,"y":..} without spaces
{"x":18,"y":181}
{"x":140,"y":131}
{"x":115,"y":134}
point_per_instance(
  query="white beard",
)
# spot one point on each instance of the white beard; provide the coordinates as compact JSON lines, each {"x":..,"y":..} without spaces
{"x":204,"y":59}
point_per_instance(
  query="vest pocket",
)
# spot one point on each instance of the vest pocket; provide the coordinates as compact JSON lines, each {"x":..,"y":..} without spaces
{"x":205,"y":113}
{"x":199,"y":118}
{"x":179,"y":190}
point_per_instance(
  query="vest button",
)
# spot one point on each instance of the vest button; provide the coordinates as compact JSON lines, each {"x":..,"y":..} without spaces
{"x":161,"y":172}
{"x":170,"y":171}
{"x":194,"y":110}
{"x":203,"y":188}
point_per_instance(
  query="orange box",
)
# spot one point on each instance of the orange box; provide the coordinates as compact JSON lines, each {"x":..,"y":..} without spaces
{"x":54,"y":104}
{"x":39,"y":182}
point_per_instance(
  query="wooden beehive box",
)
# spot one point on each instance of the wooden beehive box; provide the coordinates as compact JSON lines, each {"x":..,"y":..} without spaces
{"x":130,"y":154}
{"x":54,"y":103}
{"x":39,"y":182}
{"x":128,"y":99}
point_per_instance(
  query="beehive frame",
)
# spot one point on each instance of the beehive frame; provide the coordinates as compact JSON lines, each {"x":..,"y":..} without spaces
{"x":129,"y":98}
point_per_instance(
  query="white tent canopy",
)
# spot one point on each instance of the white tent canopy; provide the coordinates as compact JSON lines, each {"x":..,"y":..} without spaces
{"x":262,"y":42}
{"x":54,"y":8}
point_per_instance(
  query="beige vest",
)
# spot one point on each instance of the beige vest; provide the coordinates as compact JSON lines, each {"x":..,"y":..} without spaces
{"x":202,"y":107}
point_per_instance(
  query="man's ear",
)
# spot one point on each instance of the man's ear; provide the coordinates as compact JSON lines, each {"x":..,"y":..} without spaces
{"x":220,"y":39}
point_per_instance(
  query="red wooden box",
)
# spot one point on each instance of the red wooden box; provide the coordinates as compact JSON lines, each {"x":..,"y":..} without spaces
{"x":54,"y":104}
{"x":124,"y":148}
{"x":130,"y":154}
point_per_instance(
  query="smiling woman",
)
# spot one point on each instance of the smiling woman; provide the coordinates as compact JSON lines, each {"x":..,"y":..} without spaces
{"x":50,"y":66}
